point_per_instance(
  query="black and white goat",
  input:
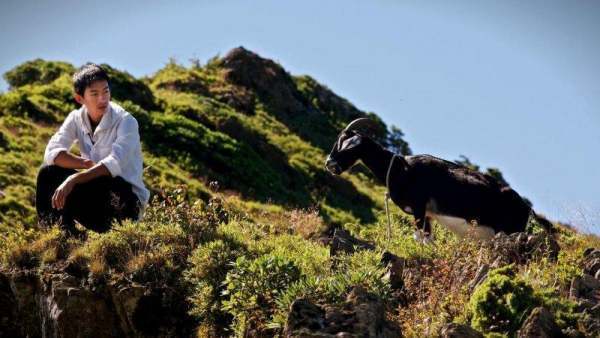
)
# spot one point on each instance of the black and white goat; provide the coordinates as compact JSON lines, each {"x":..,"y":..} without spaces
{"x":468,"y":202}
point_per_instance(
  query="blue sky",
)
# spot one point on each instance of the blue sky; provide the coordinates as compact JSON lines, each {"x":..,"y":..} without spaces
{"x":510,"y":84}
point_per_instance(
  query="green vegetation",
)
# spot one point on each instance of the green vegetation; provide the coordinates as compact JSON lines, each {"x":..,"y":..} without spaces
{"x":241,"y":251}
{"x":501,"y":303}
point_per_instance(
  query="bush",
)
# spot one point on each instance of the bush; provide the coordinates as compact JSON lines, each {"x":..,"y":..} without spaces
{"x":208,"y":267}
{"x":37,"y":71}
{"x":252,"y":287}
{"x":502,"y":302}
{"x":143,"y":252}
{"x":123,"y":86}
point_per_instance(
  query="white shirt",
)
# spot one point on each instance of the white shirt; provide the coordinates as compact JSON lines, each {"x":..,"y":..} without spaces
{"x":115,"y":143}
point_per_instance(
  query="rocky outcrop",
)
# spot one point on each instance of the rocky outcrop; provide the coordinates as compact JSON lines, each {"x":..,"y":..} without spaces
{"x":362,"y":315}
{"x":540,"y":323}
{"x":267,"y":79}
{"x":591,"y":262}
{"x":61,"y":305}
{"x":454,"y":330}
{"x":585,"y":290}
{"x":520,"y":247}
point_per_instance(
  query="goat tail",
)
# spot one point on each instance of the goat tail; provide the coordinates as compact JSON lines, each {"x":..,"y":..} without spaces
{"x":544,"y":222}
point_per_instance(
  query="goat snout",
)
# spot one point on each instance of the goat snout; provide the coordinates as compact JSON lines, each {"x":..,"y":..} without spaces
{"x":333,"y":167}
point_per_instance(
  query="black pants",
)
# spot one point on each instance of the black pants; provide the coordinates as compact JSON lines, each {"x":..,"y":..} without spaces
{"x":94,"y":204}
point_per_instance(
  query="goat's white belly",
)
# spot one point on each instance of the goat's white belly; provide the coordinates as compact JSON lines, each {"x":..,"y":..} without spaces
{"x":462,"y":228}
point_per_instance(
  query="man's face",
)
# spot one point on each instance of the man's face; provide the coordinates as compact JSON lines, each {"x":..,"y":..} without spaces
{"x":95,"y":98}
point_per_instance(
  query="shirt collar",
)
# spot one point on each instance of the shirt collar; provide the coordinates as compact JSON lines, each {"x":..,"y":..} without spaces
{"x":105,"y":122}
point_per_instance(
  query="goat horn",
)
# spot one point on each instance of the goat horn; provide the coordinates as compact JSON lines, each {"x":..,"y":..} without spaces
{"x":362,"y":122}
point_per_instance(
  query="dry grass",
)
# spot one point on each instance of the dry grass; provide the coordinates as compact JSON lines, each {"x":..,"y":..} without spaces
{"x":436,"y":290}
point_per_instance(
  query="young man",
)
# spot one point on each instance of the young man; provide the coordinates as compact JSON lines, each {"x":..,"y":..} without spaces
{"x":110,"y":185}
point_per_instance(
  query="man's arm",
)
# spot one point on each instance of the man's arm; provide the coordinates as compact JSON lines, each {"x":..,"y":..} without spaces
{"x":57,"y":149}
{"x":67,"y":160}
{"x":61,"y":193}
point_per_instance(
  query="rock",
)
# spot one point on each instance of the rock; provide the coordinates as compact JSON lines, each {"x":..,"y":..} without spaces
{"x":8,"y":309}
{"x":592,"y":267}
{"x":585,"y":287}
{"x":25,"y":287}
{"x":591,"y":253}
{"x":480,"y":276}
{"x":57,"y":304}
{"x":362,"y":315}
{"x":542,"y":244}
{"x":70,"y":311}
{"x":507,"y":248}
{"x":305,"y":315}
{"x":395,"y":268}
{"x":343,"y":241}
{"x":591,"y":261}
{"x":454,"y":330}
{"x":519,"y":247}
{"x":540,"y":323}
{"x":126,"y":300}
{"x":274,"y":86}
{"x":572,"y":333}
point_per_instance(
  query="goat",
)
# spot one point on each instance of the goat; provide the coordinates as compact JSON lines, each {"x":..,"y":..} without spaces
{"x":429,"y":187}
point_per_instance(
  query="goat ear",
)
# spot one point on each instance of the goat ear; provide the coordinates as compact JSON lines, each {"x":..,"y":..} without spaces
{"x":350,"y":142}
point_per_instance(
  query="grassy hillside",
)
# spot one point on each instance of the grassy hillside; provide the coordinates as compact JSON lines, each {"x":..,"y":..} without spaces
{"x":234,"y":256}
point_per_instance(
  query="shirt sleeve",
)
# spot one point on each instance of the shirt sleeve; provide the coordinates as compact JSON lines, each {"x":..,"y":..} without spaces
{"x":62,"y":140}
{"x":127,"y":141}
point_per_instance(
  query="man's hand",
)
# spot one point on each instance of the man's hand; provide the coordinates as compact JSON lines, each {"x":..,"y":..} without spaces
{"x":87,"y":164}
{"x":60,"y":194}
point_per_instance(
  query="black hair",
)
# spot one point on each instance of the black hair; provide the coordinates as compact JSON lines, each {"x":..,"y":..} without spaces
{"x":88,"y":73}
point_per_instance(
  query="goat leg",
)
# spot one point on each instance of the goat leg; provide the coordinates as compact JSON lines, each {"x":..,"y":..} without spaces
{"x":422,"y":223}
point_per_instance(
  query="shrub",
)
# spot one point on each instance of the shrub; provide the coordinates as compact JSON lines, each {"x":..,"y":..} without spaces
{"x":208,"y":267}
{"x":29,"y":249}
{"x":37,"y":71}
{"x":252,"y":287}
{"x":143,"y":252}
{"x":123,"y":86}
{"x":502,"y":302}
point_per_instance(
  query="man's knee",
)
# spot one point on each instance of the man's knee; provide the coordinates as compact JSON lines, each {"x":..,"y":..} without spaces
{"x":52,"y":172}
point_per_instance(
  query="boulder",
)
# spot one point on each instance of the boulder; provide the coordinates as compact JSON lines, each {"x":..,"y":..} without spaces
{"x":540,"y":323}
